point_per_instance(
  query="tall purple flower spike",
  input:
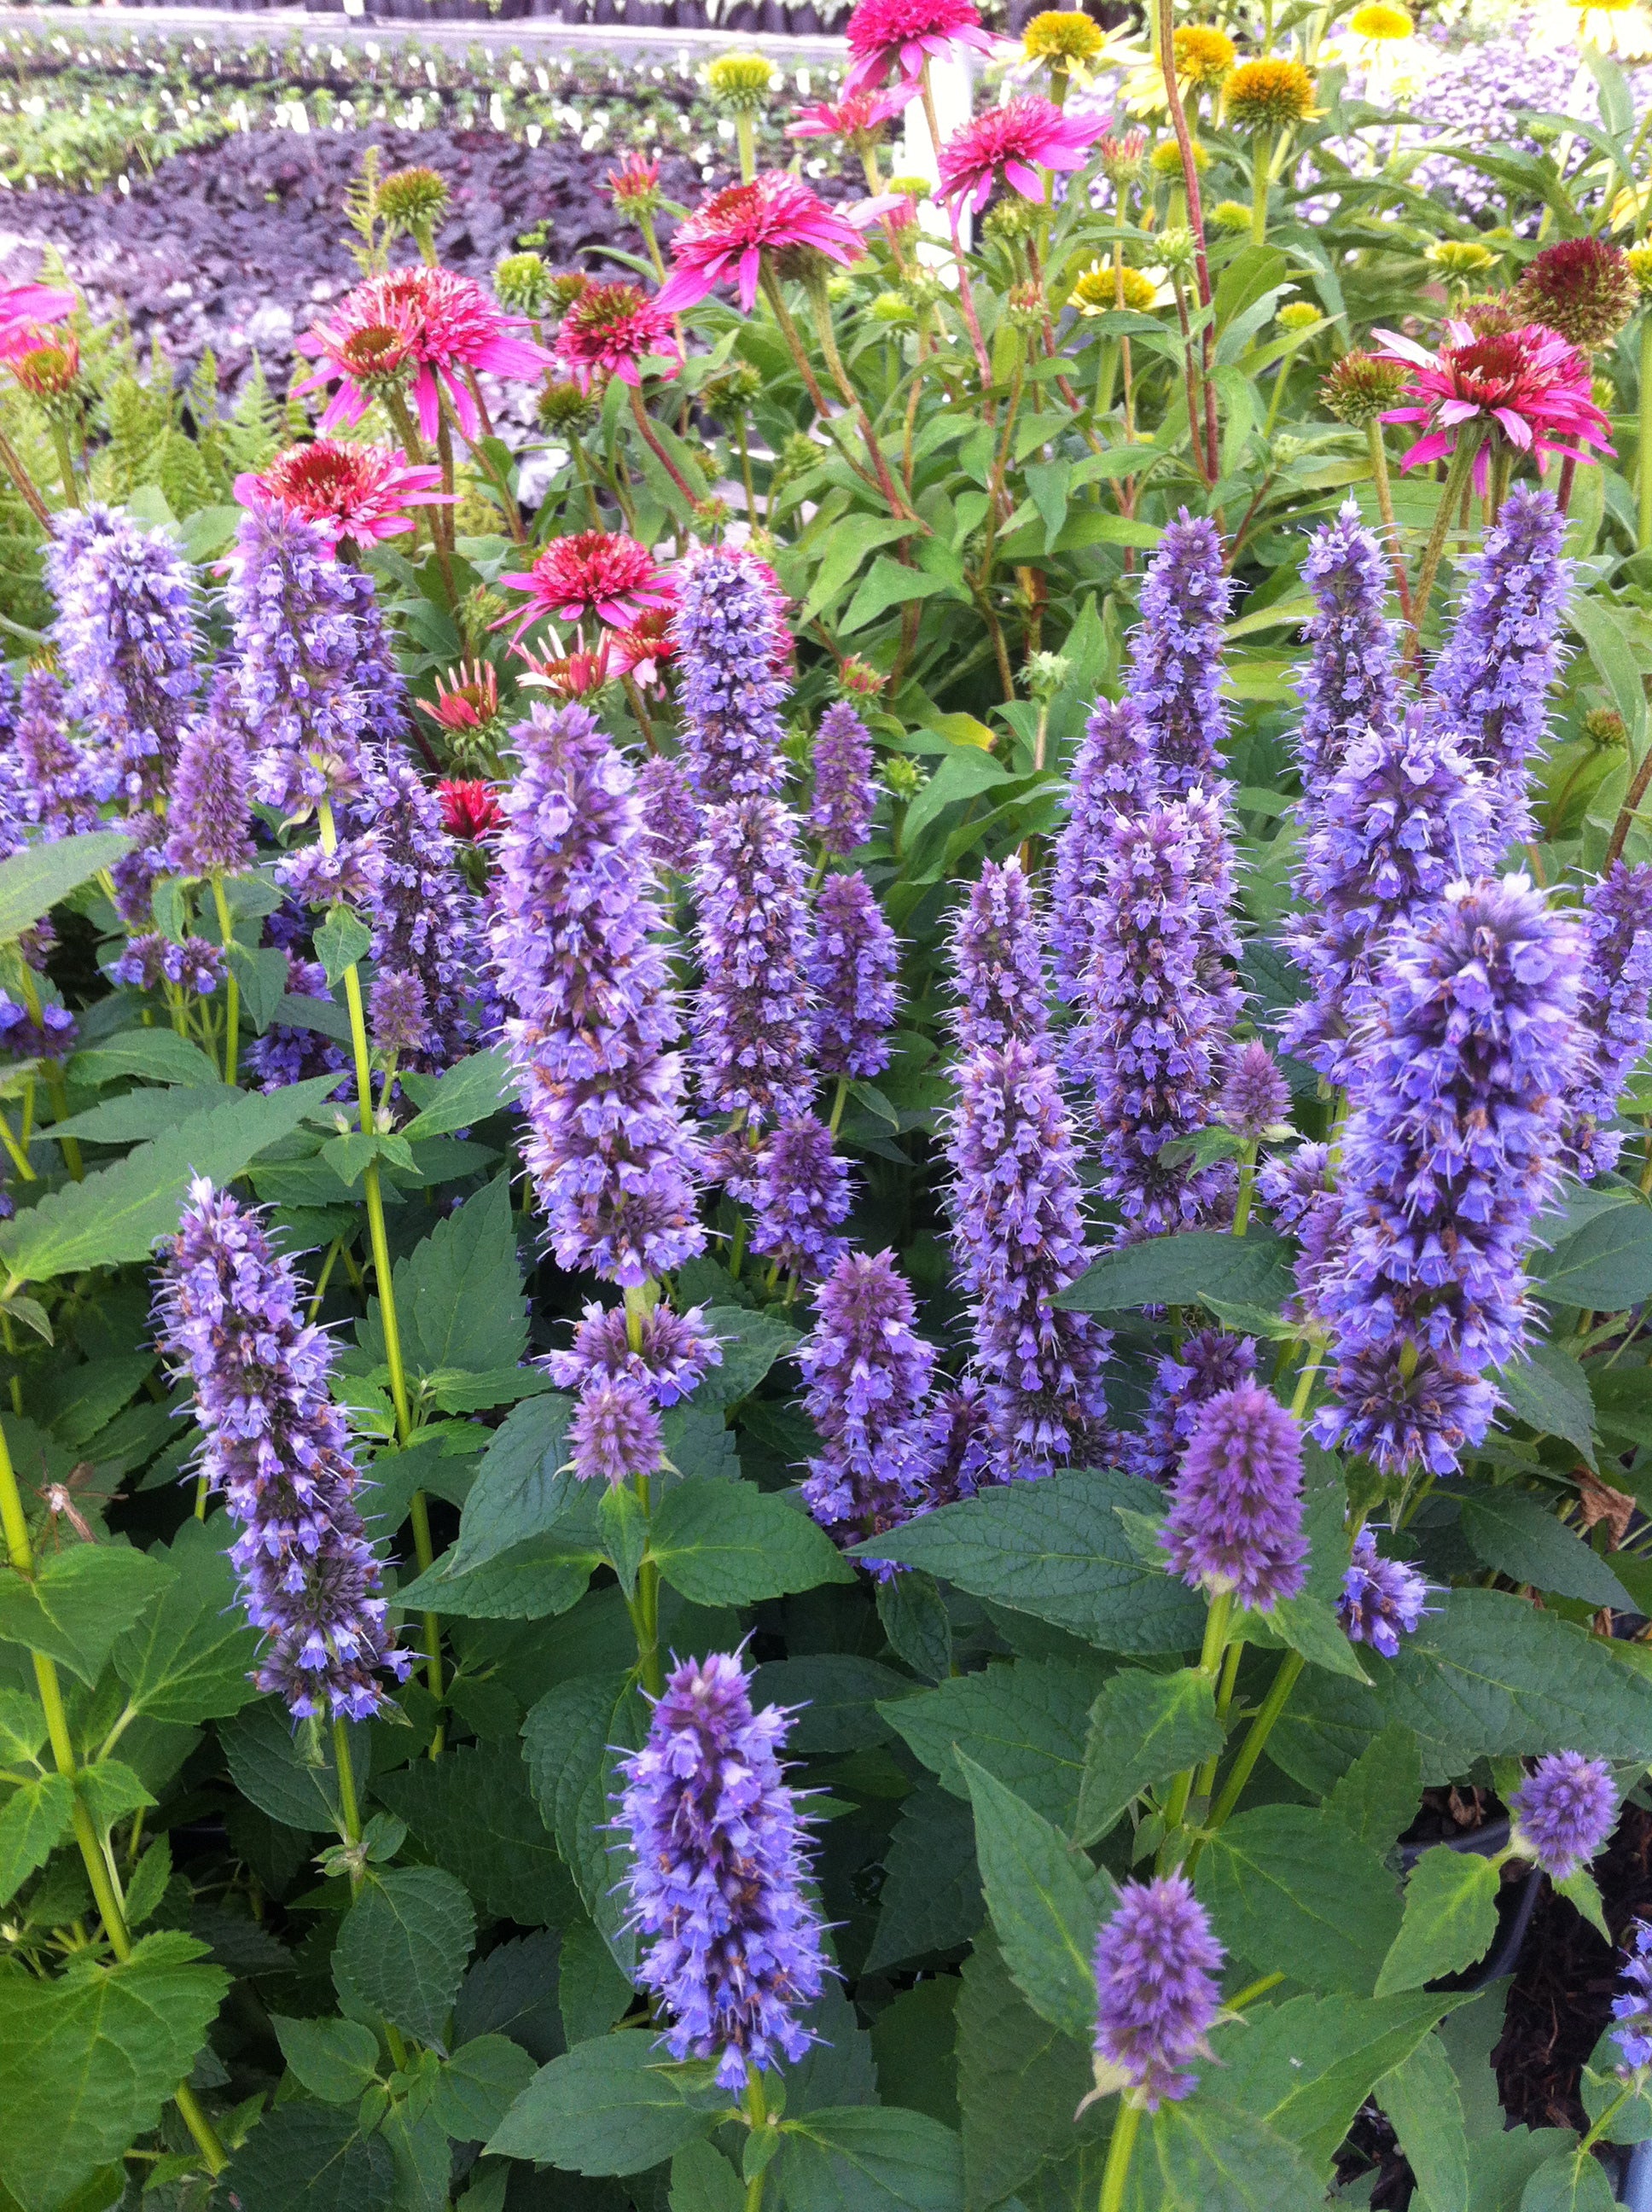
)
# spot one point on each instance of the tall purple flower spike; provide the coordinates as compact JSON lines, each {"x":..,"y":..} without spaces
{"x":1564,"y":1811}
{"x":54,"y":779}
{"x":1113,"y":774}
{"x":1632,"y":2010}
{"x":854,"y":969}
{"x":867,"y":1376}
{"x":1157,"y":1995}
{"x":1209,"y":1362}
{"x":1236,"y":1518}
{"x":277,"y":1450}
{"x":732,"y":644}
{"x":840,"y":811}
{"x":1613,"y":1007}
{"x":801,"y":1196}
{"x":752,"y":1020}
{"x":573,"y":926}
{"x":1348,"y":688}
{"x":426,"y":920}
{"x":998,"y":961}
{"x":1176,"y":656}
{"x":209,"y":817}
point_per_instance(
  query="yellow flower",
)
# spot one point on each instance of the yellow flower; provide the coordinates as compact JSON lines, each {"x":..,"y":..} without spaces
{"x":1204,"y":56}
{"x":740,"y":82}
{"x":1230,"y":214}
{"x":1100,"y":291}
{"x":1460,"y":257}
{"x":1615,"y":27}
{"x":1268,"y":95}
{"x":1640,"y":267}
{"x":1381,"y":24}
{"x":1062,"y":36}
{"x":1165,"y":160}
{"x":1298,"y":315}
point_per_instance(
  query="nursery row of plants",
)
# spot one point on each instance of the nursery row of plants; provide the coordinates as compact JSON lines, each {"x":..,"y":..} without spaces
{"x":821,"y":1288}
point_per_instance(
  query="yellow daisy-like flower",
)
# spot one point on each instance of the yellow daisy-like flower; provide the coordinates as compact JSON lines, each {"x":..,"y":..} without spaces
{"x":1615,"y":27}
{"x":1298,"y":315}
{"x":1460,"y":257}
{"x":1063,"y":36}
{"x":1379,"y":22}
{"x":1268,"y":95}
{"x":1102,"y":290}
{"x":1165,"y":160}
{"x":1204,"y":56}
{"x":740,"y":82}
{"x":1229,"y":215}
{"x":1640,"y":267}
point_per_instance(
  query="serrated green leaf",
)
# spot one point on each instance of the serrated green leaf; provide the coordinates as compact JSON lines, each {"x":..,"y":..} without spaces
{"x":1547,"y":1389}
{"x":1450,"y":1922}
{"x":702,"y":2180}
{"x":751,"y":1343}
{"x":155,"y":1055}
{"x":1511,"y":1531}
{"x":835,"y":1697}
{"x":1179,"y":1270}
{"x":459,"y":1293}
{"x":519,"y":1490}
{"x":1045,"y":1899}
{"x":1605,"y":1265}
{"x":474,"y":1812}
{"x":22,"y":1727}
{"x":341,"y":940}
{"x":335,"y":2059}
{"x":1020,"y":2084}
{"x":1212,"y":2158}
{"x":930,"y":1900}
{"x":190,"y":1657}
{"x":1573,"y":2182}
{"x":403,"y":1945}
{"x":724,"y":1543}
{"x":468,"y":1092}
{"x":570,"y":1739}
{"x":870,"y":2158}
{"x":1289,"y":1886}
{"x":1021,"y":1723}
{"x":532,"y":1581}
{"x":33,"y":1821}
{"x":33,"y":880}
{"x":478,"y":2085}
{"x":269,"y":1765}
{"x":79,"y":1601}
{"x":110,"y":1790}
{"x":615,"y":2105}
{"x":302,"y":2157}
{"x":1376,"y":1798}
{"x":1421,"y":2100}
{"x":1142,"y":1728}
{"x":261,"y":975}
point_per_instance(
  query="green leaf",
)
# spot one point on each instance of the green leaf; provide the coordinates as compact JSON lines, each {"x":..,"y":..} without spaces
{"x":1289,"y":1887}
{"x":335,"y":2059}
{"x":912,"y":1613}
{"x":531,"y":1582}
{"x":1573,"y":2182}
{"x":1022,"y":1723}
{"x":1020,"y":2084}
{"x":1512,"y":1531}
{"x":312,"y":2157}
{"x":33,"y":881}
{"x":930,"y":1900}
{"x":1548,"y":1390}
{"x":1451,"y":1919}
{"x":468,"y":1092}
{"x":474,"y":1812}
{"x":478,"y":2085}
{"x":88,"y":2058}
{"x":341,"y":940}
{"x":846,"y":547}
{"x":1581,"y":1889}
{"x":140,"y":1114}
{"x":33,"y":1821}
{"x":724,"y":1543}
{"x":149,"y":1882}
{"x":624,"y":1526}
{"x":1056,"y":1549}
{"x":262,"y":975}
{"x":78,"y":1602}
{"x":1210,"y":2159}
{"x":592,"y":1995}
{"x":271,"y":1766}
{"x":1142,"y":1728}
{"x":87,"y":1398}
{"x":1045,"y":1901}
{"x":119,"y":1213}
{"x":111,"y":1791}
{"x":835,"y":1695}
{"x":702,"y":2180}
{"x":889,"y":584}
{"x":614,"y":2105}
{"x":570,"y":1739}
{"x":424,"y":2155}
{"x":403,"y":1945}
{"x":22,"y":1727}
{"x":870,"y":2158}
{"x":1179,"y":1270}
{"x":1601,"y":2088}
{"x":459,"y":1293}
{"x":751,"y":1343}
{"x":1376,"y":1798}
{"x":1597,"y":624}
{"x":1421,"y":2100}
{"x":190,"y":1657}
{"x":1605,"y":1265}
{"x":519,"y":1490}
{"x":156,"y":1055}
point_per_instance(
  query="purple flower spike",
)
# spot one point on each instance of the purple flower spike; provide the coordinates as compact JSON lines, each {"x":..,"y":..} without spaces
{"x":1176,"y":656}
{"x":957,"y":1430}
{"x":1235,"y":1517}
{"x":151,"y":961}
{"x":997,"y":959}
{"x":1492,"y":679}
{"x":1633,"y":2010}
{"x":1563,"y":1812}
{"x":1382,"y":1599}
{"x":573,"y":927}
{"x":615,"y":1433}
{"x":1255,"y":1097}
{"x":1018,"y":1237}
{"x":1113,"y":774}
{"x":1350,"y":685}
{"x":1294,"y":1184}
{"x":1156,"y":1992}
{"x":128,"y":641}
{"x":719,"y":1857}
{"x":671,"y":1358}
{"x":841,"y":812}
{"x":732,"y":646}
{"x":276,"y":1448}
{"x":54,"y":779}
{"x":801,"y":1196}
{"x":852,"y":972}
{"x":399,"y":1017}
{"x":1209,"y":1362}
{"x":1611,"y":1008}
{"x":208,"y":819}
{"x":670,"y":813}
{"x":426,"y":920}
{"x":752,"y":1024}
{"x":867,"y":1376}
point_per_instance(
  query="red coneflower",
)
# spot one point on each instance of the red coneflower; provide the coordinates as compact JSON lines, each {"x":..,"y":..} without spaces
{"x":884,"y":35}
{"x":633,"y":187}
{"x":859,"y":116}
{"x":467,"y":699}
{"x":1013,"y":143}
{"x":729,"y":235}
{"x":573,"y":675}
{"x":599,"y":572}
{"x":23,"y":309}
{"x":609,"y":330}
{"x":1527,"y":386}
{"x":347,"y":491}
{"x":469,"y":808}
{"x":441,"y":325}
{"x":645,"y":646}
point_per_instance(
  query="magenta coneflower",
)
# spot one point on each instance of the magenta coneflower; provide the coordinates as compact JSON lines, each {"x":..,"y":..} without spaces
{"x":885,"y":34}
{"x":728,"y":236}
{"x":348,"y":491}
{"x":597,"y":572}
{"x":642,"y":648}
{"x":608,"y":330}
{"x":633,"y":187}
{"x":23,"y":309}
{"x":857,"y":118}
{"x":443,"y":327}
{"x":1010,"y":144}
{"x":1527,"y":386}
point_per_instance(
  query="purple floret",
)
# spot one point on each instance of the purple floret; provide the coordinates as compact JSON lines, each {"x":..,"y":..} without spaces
{"x":1235,"y":1517}
{"x":1157,"y":1995}
{"x":1564,"y":1811}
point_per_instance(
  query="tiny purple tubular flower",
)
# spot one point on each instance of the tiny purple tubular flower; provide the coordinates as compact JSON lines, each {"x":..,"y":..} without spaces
{"x":1156,"y":1992}
{"x":49,"y":1038}
{"x":1151,"y":1032}
{"x":53,"y":776}
{"x":152,"y":960}
{"x":1255,"y":1097}
{"x":1113,"y":774}
{"x":573,"y":926}
{"x":615,"y":1433}
{"x":802,"y":1193}
{"x":719,"y":1859}
{"x":208,"y":818}
{"x":1348,"y":688}
{"x":1491,"y":681}
{"x":840,"y":813}
{"x":1292,"y":1184}
{"x":670,"y":814}
{"x":1404,"y":814}
{"x":1235,"y":1517}
{"x":958,"y":1441}
{"x":1209,"y":1362}
{"x":398,"y":1014}
{"x":1019,"y":1237}
{"x":1381,"y":1598}
{"x":1564,"y":1811}
{"x":752,"y":1020}
{"x":1611,"y":1008}
{"x":276,"y":1448}
{"x":867,"y":1376}
{"x":318,"y":677}
{"x":1633,"y":2010}
{"x":998,"y":961}
{"x":127,"y":641}
{"x":1176,"y":656}
{"x":733,"y":646}
{"x":674,"y":1352}
{"x":853,"y":971}
{"x":1470,"y":1054}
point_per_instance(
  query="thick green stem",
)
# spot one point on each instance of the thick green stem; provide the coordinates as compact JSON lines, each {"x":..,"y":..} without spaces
{"x":71,"y":490}
{"x":1457,"y":478}
{"x":1116,"y":2173}
{"x":757,"y":2113}
{"x":1260,"y":1728}
{"x":746,"y":138}
{"x":1247,"y":1186}
{"x":1216,"y":1620}
{"x":1261,"y":164}
{"x":11,"y":461}
{"x":1643,"y":461}
{"x":231,"y":987}
{"x":349,"y":1809}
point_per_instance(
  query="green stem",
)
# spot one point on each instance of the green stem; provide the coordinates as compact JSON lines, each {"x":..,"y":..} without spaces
{"x":54,"y":1076}
{"x":1260,"y":1728}
{"x":1261,"y":163}
{"x":1246,"y":1185}
{"x":757,"y":2113}
{"x":1643,"y":461}
{"x":1384,"y":489}
{"x":233,"y":989}
{"x":71,"y":490}
{"x":1116,"y":2173}
{"x":349,"y":1809}
{"x":1216,"y":1620}
{"x":1206,"y":1781}
{"x":1462,"y":461}
{"x":841,"y":1095}
{"x":11,"y":461}
{"x":1604,"y":2122}
{"x":746,"y":138}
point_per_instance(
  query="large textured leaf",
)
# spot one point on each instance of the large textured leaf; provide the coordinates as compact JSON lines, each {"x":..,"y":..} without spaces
{"x":312,"y":2157}
{"x":1142,"y":1728}
{"x":1421,"y":2101}
{"x":468,"y":1092}
{"x":931,"y":1898}
{"x":724,"y":1543}
{"x":1291,"y":1888}
{"x":1057,"y":1549}
{"x":1451,"y":1919}
{"x":33,"y":1821}
{"x":459,"y":1293}
{"x":403,"y":1945}
{"x":519,"y":1490}
{"x":272,"y":1767}
{"x":88,"y":2060}
{"x":335,"y":2059}
{"x":1510,"y":1530}
{"x":533,"y":1580}
{"x":870,"y":2159}
{"x":1020,"y":2084}
{"x":1210,"y":2159}
{"x":1024,"y":1724}
{"x":1046,"y":1900}
{"x":571,"y":1738}
{"x":1547,"y":1388}
{"x":120,"y":1213}
{"x":472,"y":1810}
{"x":835,"y":1696}
{"x":1605,"y":1265}
{"x":79,"y":1601}
{"x":478,"y":2086}
{"x":189,"y":1656}
{"x":1181,"y":1270}
{"x":33,"y":880}
{"x":1377,"y":1796}
{"x":613,"y":2105}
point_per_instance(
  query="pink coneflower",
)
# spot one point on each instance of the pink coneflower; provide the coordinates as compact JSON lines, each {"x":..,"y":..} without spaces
{"x":467,"y":699}
{"x":1527,"y":386}
{"x":1012,"y":144}
{"x":608,"y":330}
{"x":887,"y":33}
{"x":23,"y":309}
{"x":347,"y":491}
{"x":443,"y":327}
{"x":735,"y":228}
{"x":575,"y":676}
{"x":857,"y":116}
{"x":469,"y":807}
{"x":633,"y":187}
{"x":643,"y":648}
{"x":597,"y":573}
